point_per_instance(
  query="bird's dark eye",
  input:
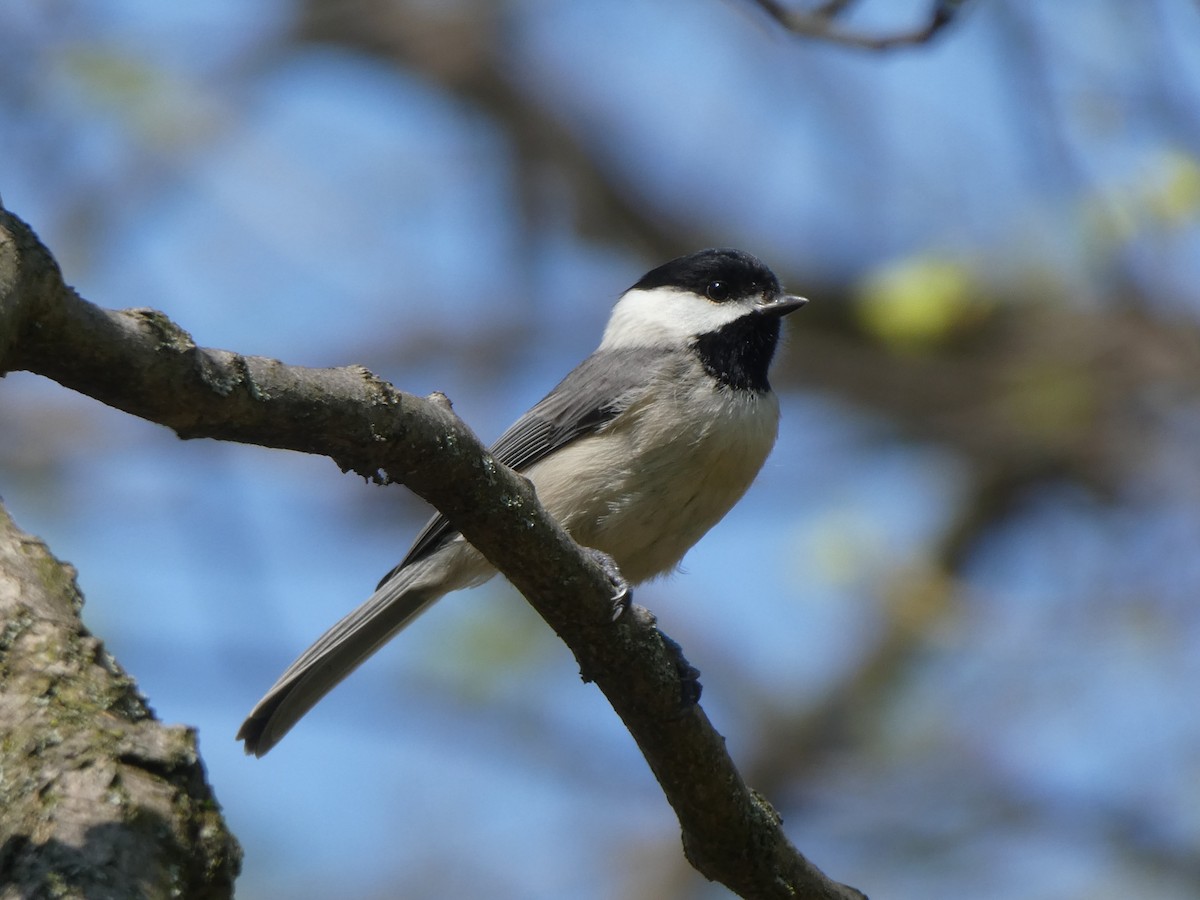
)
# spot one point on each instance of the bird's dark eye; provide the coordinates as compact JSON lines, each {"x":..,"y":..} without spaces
{"x":717,"y":290}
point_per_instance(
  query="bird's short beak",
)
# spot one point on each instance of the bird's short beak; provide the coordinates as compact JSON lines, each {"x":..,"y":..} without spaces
{"x":780,"y":305}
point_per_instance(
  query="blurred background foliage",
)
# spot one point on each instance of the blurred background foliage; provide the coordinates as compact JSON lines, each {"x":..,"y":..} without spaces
{"x":952,"y":633}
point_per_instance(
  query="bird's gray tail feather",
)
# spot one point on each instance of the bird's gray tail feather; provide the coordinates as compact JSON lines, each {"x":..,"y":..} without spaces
{"x":336,"y":654}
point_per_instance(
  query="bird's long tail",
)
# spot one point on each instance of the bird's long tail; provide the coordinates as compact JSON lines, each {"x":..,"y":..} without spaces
{"x":345,"y":646}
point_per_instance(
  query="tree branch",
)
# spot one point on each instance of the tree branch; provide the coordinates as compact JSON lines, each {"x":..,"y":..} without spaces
{"x":821,"y":23}
{"x":141,"y":362}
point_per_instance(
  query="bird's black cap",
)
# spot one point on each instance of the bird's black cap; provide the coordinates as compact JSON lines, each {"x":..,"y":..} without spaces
{"x":738,"y":273}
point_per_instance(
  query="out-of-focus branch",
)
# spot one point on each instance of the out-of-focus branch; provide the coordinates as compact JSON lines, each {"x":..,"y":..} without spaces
{"x":1043,"y":384}
{"x":821,"y":23}
{"x":142,"y":363}
{"x":463,"y":51}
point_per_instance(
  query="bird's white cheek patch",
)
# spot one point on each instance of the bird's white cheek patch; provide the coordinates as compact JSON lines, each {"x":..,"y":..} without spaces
{"x":666,"y":317}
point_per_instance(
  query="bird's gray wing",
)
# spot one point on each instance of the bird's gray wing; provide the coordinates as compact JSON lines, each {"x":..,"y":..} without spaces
{"x":591,"y":395}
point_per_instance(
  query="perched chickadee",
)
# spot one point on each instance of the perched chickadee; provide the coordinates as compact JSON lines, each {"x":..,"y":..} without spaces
{"x":637,"y":453}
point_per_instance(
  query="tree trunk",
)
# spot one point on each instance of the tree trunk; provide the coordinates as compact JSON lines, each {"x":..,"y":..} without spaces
{"x":98,"y":799}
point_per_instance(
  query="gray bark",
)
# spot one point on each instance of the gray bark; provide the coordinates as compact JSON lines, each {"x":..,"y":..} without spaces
{"x":98,"y":799}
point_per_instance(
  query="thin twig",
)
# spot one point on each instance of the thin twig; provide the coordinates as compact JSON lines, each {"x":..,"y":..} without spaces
{"x":821,"y":24}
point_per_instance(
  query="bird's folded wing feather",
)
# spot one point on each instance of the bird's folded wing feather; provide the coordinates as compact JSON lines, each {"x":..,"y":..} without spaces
{"x":586,"y":400}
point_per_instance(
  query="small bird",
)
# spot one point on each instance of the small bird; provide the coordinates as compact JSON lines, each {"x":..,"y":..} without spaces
{"x":638,"y":452}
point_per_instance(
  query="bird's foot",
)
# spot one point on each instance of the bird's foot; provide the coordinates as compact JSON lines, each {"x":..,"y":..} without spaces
{"x":689,"y":676}
{"x":622,"y":605}
{"x":622,"y":596}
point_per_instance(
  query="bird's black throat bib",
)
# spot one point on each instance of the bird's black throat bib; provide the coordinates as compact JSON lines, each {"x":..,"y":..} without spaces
{"x":739,"y":354}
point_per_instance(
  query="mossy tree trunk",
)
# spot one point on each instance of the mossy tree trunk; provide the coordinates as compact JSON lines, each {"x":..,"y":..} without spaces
{"x":98,"y":799}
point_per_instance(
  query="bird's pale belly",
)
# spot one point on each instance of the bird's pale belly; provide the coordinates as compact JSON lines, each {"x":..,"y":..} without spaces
{"x":645,"y":494}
